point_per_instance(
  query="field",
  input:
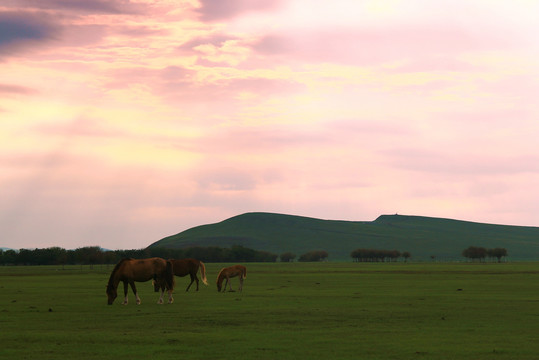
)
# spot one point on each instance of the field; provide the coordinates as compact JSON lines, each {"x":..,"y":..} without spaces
{"x":286,"y":311}
{"x":421,"y":236}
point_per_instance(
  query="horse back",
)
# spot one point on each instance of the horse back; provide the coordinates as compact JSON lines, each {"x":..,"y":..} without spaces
{"x":145,"y":269}
{"x":183,"y":267}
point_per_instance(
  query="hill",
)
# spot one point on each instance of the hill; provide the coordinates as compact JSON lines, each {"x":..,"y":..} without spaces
{"x":422,"y":236}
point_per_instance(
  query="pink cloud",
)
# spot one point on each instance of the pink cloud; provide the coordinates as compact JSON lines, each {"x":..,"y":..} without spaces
{"x":437,"y":161}
{"x":434,"y":63}
{"x":374,"y":45}
{"x":21,"y":29}
{"x":8,"y":89}
{"x":81,"y":6}
{"x":218,"y":10}
{"x":179,"y":85}
{"x":81,"y":127}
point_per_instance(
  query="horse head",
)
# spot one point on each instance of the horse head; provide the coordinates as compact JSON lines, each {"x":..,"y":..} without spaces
{"x":112,"y":293}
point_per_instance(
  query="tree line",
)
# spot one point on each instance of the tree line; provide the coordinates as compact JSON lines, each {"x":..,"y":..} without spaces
{"x":375,"y":255}
{"x":93,"y":255}
{"x":480,"y":253}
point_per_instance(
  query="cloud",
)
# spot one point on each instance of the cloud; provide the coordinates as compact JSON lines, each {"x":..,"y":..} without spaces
{"x":22,"y":29}
{"x":216,"y":10}
{"x":226,"y":179}
{"x":456,"y":165}
{"x":81,"y":6}
{"x":8,"y":89}
{"x":373,"y":45}
{"x":81,"y":127}
{"x":190,"y":87}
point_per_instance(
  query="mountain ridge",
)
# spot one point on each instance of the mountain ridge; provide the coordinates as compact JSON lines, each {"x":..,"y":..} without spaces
{"x":424,"y":237}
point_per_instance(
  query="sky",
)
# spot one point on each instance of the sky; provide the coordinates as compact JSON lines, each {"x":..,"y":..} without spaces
{"x":123,"y":122}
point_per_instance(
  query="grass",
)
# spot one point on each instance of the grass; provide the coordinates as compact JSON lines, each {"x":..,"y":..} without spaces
{"x":422,"y":236}
{"x":287,"y":311}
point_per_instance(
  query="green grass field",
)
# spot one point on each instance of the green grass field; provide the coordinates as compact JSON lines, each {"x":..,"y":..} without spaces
{"x":422,"y":236}
{"x":286,"y":311}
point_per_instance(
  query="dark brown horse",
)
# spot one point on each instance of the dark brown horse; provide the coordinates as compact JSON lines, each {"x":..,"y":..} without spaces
{"x":183,"y":267}
{"x":130,"y":270}
{"x":229,"y":272}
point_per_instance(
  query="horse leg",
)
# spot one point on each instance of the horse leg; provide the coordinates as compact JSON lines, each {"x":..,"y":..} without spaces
{"x":160,"y":301}
{"x":126,"y":288}
{"x":170,"y":298}
{"x":229,"y":284}
{"x":192,"y":280}
{"x":134,"y":288}
{"x":196,"y":279}
{"x":241,"y":284}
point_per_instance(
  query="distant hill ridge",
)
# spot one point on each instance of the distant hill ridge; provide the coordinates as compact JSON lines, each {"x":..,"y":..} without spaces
{"x":422,"y":236}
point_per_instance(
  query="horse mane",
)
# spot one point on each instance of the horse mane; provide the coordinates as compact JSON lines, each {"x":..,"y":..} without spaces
{"x":120,"y":263}
{"x":219,"y":275}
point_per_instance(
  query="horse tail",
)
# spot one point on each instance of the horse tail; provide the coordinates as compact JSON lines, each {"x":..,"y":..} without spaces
{"x":169,"y":275}
{"x":203,"y":273}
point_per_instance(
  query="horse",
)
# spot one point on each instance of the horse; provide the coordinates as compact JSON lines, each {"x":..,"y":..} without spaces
{"x":230,"y":272}
{"x":182,"y":267}
{"x":130,"y":270}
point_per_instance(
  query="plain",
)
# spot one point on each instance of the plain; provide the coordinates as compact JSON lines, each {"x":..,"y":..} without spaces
{"x":286,"y":311}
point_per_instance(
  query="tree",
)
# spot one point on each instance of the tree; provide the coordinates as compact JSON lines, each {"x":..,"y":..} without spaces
{"x":475,"y":252}
{"x":9,"y":257}
{"x":316,"y":255}
{"x":287,"y":257}
{"x":497,"y":253}
{"x":406,"y":255}
{"x":374,"y":255}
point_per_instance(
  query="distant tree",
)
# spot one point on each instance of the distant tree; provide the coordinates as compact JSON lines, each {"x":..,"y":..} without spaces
{"x":394,"y":255}
{"x":497,"y":253}
{"x":475,"y":252}
{"x":406,"y":255}
{"x":240,"y":253}
{"x":287,"y":257}
{"x":89,"y":255}
{"x":9,"y":257}
{"x":96,"y":255}
{"x":374,"y":255}
{"x":316,"y":255}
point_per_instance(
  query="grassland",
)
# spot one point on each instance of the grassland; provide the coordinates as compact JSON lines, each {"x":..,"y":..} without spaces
{"x":286,"y":311}
{"x":422,"y":236}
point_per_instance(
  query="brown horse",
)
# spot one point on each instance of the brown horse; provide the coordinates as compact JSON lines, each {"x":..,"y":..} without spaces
{"x":130,"y":270}
{"x":229,"y":272}
{"x":183,"y":267}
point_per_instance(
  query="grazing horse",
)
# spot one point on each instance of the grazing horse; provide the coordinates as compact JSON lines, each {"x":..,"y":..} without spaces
{"x":229,"y":272}
{"x":130,"y":270}
{"x":183,"y":267}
